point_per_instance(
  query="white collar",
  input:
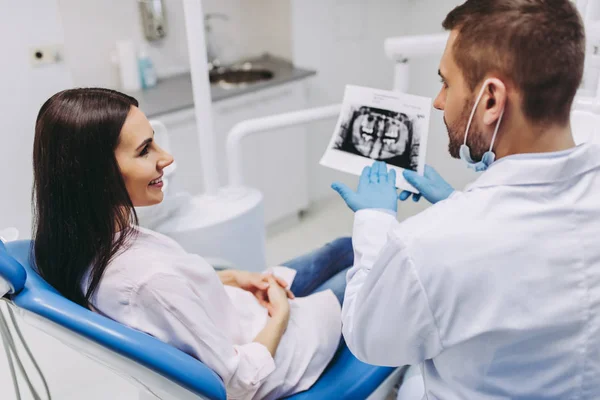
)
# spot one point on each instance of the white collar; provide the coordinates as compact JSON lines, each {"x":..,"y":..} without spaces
{"x":539,"y":168}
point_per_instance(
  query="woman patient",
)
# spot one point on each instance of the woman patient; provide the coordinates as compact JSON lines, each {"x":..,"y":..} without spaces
{"x":94,"y":161}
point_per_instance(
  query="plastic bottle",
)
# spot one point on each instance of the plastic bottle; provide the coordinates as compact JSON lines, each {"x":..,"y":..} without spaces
{"x":128,"y":66}
{"x":147,"y":71}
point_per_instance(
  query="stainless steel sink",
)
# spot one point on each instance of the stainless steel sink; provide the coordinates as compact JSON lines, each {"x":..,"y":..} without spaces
{"x":238,"y":76}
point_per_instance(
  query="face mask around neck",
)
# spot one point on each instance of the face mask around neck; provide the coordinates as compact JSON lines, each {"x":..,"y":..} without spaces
{"x":488,"y":157}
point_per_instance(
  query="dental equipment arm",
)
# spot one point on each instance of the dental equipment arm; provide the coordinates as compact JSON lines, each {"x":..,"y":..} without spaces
{"x":194,"y":24}
{"x":258,"y":125}
{"x":404,"y":48}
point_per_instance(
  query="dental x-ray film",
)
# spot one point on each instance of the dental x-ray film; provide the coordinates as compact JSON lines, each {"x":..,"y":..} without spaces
{"x":380,"y":125}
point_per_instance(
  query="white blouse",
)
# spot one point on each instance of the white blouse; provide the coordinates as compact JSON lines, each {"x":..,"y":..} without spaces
{"x":156,"y":287}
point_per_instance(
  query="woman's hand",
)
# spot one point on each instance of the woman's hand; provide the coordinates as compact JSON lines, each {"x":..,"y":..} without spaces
{"x":279,"y":310}
{"x":277,"y":301}
{"x":253,"y":282}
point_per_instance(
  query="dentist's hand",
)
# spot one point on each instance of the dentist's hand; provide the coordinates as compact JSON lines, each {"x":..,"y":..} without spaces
{"x":376,"y":189}
{"x":431,"y":186}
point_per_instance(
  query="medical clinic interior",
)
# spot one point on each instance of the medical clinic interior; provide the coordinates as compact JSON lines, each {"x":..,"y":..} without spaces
{"x":300,"y":199}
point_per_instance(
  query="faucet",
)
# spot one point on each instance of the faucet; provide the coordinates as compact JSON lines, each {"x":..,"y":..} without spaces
{"x":212,"y":51}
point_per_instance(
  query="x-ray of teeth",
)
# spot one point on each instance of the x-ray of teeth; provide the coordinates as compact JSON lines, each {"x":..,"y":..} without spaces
{"x":380,"y":135}
{"x":380,"y":125}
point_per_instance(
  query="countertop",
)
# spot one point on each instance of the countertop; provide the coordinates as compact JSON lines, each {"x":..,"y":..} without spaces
{"x":175,"y":93}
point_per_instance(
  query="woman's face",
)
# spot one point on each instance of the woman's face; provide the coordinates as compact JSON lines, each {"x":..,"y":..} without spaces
{"x":141,"y":160}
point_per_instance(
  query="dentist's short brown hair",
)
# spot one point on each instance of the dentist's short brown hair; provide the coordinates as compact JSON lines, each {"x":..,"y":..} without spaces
{"x":537,"y":45}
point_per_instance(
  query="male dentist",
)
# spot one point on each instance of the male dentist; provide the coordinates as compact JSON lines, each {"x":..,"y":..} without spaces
{"x":494,"y":291}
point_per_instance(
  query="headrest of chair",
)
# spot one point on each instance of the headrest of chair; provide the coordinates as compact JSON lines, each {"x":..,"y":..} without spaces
{"x":11,"y":271}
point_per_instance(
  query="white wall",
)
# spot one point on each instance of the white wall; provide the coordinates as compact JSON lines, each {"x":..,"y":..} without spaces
{"x":23,"y":89}
{"x":343,"y":41}
{"x":93,"y":26}
{"x":267,"y":24}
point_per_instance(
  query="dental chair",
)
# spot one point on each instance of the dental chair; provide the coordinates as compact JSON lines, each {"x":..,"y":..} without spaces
{"x":160,"y":370}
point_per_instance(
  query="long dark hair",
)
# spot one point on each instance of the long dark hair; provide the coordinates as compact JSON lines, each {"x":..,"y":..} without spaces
{"x":82,"y":211}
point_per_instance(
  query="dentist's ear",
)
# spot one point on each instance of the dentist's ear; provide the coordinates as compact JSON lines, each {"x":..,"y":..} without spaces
{"x":494,"y":98}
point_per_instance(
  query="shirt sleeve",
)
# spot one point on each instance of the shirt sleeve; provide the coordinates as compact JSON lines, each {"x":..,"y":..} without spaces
{"x":172,"y":310}
{"x":386,"y":314}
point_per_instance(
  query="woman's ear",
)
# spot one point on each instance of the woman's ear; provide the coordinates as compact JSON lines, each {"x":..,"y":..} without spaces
{"x":495,"y":99}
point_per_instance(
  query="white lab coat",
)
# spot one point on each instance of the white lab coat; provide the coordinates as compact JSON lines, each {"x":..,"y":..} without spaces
{"x":156,"y":287}
{"x":496,"y":290}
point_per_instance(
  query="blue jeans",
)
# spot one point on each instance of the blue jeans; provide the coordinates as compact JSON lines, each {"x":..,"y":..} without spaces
{"x":323,"y":269}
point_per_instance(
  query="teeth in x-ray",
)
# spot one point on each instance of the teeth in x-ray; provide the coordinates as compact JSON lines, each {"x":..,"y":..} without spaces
{"x":392,"y":133}
{"x":367,"y":127}
{"x":366,"y":137}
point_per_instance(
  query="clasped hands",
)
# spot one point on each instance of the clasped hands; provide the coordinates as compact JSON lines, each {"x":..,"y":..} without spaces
{"x":270,"y":290}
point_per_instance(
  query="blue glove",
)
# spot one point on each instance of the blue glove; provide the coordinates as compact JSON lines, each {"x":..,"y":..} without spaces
{"x":376,"y":189}
{"x":431,"y":186}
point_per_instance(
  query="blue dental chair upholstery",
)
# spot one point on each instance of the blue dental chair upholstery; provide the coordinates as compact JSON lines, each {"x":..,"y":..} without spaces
{"x":345,"y":378}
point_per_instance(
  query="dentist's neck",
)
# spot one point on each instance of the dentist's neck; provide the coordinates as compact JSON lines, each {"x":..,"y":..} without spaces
{"x":519,"y":136}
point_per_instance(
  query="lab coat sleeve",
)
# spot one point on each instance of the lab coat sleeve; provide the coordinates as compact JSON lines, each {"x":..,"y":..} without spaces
{"x":386,"y":316}
{"x":174,"y":313}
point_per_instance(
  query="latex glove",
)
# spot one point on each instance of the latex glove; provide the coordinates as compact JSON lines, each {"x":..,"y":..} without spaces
{"x":376,"y":189}
{"x":431,"y":186}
